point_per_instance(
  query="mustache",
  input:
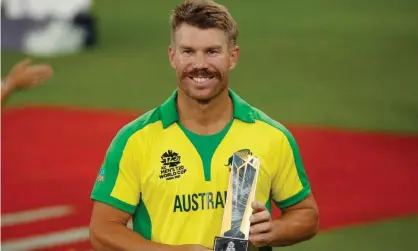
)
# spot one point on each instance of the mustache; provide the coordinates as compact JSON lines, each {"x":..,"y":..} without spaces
{"x":201,"y":73}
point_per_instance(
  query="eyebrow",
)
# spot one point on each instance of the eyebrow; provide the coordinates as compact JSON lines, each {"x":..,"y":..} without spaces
{"x":215,"y":47}
{"x":182,"y":47}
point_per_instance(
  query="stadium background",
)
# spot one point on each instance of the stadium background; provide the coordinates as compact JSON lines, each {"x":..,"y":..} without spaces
{"x":342,"y":75}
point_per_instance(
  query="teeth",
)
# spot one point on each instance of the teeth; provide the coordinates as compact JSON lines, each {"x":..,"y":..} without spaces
{"x":201,"y":80}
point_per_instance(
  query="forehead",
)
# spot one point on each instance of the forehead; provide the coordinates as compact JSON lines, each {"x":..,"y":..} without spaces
{"x":187,"y":35}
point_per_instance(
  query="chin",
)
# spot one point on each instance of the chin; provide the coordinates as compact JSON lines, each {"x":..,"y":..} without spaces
{"x":202,"y":96}
{"x":202,"y":92}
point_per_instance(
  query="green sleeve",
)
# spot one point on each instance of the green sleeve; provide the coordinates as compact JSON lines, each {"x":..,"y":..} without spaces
{"x":291,"y":184}
{"x":117,"y":182}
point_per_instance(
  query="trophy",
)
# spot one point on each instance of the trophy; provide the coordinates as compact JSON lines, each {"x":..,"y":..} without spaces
{"x":241,"y":192}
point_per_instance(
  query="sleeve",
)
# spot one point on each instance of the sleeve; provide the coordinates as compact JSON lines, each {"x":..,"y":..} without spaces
{"x":118,"y":182}
{"x":290,"y":183}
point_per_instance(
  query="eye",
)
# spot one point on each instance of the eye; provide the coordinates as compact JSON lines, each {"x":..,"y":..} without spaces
{"x":213,"y":52}
{"x":187,"y":51}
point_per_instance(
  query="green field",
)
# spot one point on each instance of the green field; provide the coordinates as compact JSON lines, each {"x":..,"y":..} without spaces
{"x":346,"y":64}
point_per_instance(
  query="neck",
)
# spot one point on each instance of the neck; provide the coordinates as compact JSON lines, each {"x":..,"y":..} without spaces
{"x":205,"y":118}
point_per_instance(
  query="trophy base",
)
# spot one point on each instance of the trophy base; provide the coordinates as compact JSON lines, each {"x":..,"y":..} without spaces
{"x":230,"y":244}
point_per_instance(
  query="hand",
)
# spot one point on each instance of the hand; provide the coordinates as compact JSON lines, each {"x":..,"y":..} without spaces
{"x":24,"y":75}
{"x":261,"y":225}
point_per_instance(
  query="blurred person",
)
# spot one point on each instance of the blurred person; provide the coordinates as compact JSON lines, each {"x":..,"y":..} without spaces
{"x":167,"y":170}
{"x":24,"y":75}
{"x":48,"y":27}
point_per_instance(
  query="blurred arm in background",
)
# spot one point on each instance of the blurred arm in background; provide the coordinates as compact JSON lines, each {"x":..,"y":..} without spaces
{"x":24,"y":75}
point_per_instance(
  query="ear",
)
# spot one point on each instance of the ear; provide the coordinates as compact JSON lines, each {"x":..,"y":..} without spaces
{"x":233,"y":58}
{"x":171,"y":54}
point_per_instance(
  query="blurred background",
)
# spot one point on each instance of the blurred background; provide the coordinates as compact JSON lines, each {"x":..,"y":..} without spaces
{"x":341,"y":75}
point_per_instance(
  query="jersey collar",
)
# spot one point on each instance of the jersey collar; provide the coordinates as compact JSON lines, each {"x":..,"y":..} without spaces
{"x":242,"y":110}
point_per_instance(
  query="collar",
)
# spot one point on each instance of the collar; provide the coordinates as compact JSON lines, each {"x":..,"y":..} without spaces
{"x":242,"y":110}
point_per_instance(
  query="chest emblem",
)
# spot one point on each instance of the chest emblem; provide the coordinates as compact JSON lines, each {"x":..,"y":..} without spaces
{"x":171,"y":167}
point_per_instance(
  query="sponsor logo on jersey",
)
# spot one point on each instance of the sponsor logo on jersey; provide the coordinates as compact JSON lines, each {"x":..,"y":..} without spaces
{"x":101,"y":175}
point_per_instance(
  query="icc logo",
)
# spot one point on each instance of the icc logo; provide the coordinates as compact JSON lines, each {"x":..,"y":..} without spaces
{"x":171,"y":167}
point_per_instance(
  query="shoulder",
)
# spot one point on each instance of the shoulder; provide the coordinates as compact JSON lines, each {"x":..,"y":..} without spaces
{"x":277,"y":130}
{"x":134,"y":127}
{"x":262,"y":117}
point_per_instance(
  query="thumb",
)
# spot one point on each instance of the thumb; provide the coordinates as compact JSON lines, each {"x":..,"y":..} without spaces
{"x":20,"y":65}
{"x":257,"y":206}
{"x":24,"y":62}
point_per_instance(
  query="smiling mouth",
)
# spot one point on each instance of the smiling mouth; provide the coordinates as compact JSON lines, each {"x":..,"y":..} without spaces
{"x":201,"y":80}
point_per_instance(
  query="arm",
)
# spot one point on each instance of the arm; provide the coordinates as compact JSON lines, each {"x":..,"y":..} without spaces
{"x":108,"y":232}
{"x":116,"y":195}
{"x":6,"y":89}
{"x":23,"y":75}
{"x":298,"y":223}
{"x":291,"y":192}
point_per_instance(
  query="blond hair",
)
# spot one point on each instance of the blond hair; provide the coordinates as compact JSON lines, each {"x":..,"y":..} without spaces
{"x":204,"y":14}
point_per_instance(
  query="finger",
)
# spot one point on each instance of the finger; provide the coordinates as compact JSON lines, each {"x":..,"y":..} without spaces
{"x":38,"y":75}
{"x":259,"y":217}
{"x":24,"y":62}
{"x":41,"y":70}
{"x":260,"y":240}
{"x":38,"y":81}
{"x":260,"y":228}
{"x":258,"y":206}
{"x":42,"y":80}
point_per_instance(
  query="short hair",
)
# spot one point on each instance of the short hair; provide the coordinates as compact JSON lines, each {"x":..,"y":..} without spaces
{"x":204,"y":14}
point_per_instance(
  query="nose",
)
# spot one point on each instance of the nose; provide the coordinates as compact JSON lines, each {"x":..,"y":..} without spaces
{"x":200,"y":61}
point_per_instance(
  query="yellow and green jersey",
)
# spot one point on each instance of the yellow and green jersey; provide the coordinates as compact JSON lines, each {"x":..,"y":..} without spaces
{"x":173,"y":182}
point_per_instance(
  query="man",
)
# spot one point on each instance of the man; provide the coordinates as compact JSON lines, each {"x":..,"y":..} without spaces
{"x":168,"y":168}
{"x":22,"y":76}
